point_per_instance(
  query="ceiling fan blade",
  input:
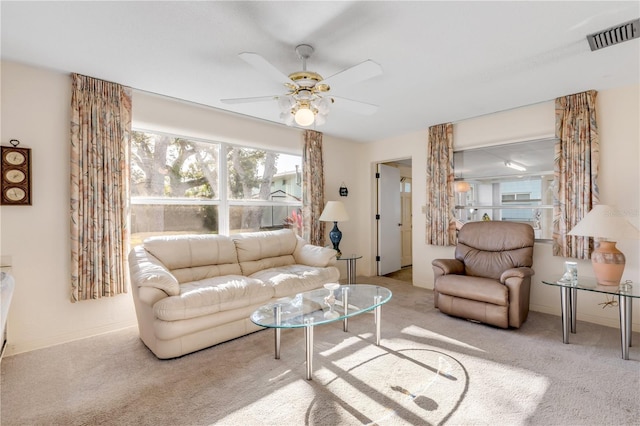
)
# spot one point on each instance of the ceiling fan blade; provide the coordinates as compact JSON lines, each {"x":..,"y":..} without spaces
{"x":249,"y":100}
{"x":355,"y":74}
{"x":264,"y":66}
{"x":355,"y":106}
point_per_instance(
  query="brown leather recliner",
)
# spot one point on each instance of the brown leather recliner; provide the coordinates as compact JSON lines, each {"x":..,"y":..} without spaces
{"x":490,"y":278}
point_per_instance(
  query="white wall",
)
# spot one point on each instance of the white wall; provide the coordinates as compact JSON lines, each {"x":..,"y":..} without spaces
{"x":618,"y":117}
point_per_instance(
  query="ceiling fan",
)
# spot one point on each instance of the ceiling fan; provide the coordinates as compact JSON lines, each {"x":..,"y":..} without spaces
{"x":308,"y":98}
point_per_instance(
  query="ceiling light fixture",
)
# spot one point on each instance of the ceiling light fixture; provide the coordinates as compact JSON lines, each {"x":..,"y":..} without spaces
{"x":304,"y":109}
{"x":304,"y":116}
{"x":308,"y":101}
{"x":515,"y":166}
{"x":305,"y":105}
{"x":461,"y":186}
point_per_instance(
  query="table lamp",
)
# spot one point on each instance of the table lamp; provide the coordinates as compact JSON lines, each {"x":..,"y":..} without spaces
{"x":335,"y":212}
{"x":607,"y":224}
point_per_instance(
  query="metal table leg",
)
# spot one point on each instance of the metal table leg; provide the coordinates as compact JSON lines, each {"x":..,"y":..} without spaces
{"x":565,"y":295}
{"x":277,"y":313}
{"x":308,"y":341}
{"x":345,"y":304}
{"x":378,"y":318}
{"x":574,"y":309}
{"x":624,"y":304}
{"x":629,"y":317}
{"x":351,"y":271}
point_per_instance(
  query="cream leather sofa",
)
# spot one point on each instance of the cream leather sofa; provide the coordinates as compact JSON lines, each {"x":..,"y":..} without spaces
{"x":194,"y":291}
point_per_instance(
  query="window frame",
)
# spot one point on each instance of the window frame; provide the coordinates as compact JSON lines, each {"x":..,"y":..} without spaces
{"x":223,"y":202}
{"x":462,"y":201}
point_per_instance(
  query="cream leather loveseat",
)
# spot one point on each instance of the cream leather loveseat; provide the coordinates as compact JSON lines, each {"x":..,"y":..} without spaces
{"x":194,"y":291}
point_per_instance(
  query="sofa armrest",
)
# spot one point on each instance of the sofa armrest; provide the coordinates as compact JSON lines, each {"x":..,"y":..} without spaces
{"x":146,"y":270}
{"x":522,"y":272}
{"x":310,"y":255}
{"x":447,"y":266}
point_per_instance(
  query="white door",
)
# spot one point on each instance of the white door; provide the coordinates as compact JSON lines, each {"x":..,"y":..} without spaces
{"x":389,"y":222}
{"x":406,"y":228}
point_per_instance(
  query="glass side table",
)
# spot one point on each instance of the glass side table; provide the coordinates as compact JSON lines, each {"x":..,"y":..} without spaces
{"x":626,"y":292}
{"x":351,"y":266}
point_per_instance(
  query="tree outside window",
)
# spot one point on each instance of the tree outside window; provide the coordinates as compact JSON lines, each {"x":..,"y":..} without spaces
{"x":176,"y":187}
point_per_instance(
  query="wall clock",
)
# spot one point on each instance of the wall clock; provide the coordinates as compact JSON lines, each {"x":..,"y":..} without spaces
{"x":15,"y":182}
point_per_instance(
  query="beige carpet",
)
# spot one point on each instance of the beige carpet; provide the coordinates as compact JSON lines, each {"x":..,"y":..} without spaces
{"x":404,"y":274}
{"x":429,"y":369}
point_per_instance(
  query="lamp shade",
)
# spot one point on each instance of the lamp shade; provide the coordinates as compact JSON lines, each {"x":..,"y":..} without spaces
{"x":461,"y":186}
{"x":607,"y":223}
{"x":334,"y":211}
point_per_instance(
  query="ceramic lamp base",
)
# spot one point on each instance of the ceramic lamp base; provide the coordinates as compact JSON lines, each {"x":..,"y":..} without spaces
{"x":608,"y":263}
{"x":335,"y":236}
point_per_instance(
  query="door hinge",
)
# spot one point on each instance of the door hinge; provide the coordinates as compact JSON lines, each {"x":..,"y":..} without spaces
{"x":377,"y":217}
{"x":377,"y":175}
{"x":377,"y":258}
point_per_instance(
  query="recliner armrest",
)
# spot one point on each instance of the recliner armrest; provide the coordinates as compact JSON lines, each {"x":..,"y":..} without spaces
{"x":521,"y":272}
{"x":447,"y":266}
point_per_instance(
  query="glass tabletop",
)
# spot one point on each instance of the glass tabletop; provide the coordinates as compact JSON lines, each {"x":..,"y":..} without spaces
{"x":315,"y":305}
{"x":626,"y":288}
{"x":349,"y":257}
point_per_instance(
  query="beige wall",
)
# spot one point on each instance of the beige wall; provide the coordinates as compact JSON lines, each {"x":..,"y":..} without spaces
{"x":35,"y":110}
{"x":35,"y":239}
{"x":618,"y":117}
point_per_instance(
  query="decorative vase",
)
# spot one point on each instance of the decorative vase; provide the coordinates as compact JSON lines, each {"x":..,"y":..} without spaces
{"x":608,"y":263}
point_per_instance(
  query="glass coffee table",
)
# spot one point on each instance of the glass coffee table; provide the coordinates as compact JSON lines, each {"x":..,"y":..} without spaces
{"x":322,"y":306}
{"x":626,"y":292}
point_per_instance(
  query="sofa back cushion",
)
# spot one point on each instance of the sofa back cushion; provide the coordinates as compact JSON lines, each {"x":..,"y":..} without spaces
{"x":487,"y":249}
{"x":264,"y":250}
{"x":195,"y":257}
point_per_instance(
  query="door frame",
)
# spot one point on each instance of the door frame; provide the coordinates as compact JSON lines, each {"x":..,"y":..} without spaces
{"x":402,"y":161}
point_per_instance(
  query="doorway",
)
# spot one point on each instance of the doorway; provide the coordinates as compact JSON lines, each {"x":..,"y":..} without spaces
{"x":394,"y":218}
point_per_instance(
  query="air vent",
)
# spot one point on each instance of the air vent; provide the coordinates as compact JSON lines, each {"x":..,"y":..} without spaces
{"x":614,"y":35}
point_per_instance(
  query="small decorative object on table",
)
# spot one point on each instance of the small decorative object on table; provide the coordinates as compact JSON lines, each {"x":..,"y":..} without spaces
{"x":571,"y":272}
{"x":330,"y":300}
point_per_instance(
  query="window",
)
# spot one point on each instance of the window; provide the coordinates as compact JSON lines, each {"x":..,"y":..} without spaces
{"x":487,"y":189}
{"x":182,"y":185}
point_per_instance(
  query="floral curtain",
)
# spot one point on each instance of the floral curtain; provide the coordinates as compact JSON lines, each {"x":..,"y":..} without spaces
{"x":440,"y":221}
{"x":313,"y":188}
{"x":576,"y":161}
{"x":100,"y":132}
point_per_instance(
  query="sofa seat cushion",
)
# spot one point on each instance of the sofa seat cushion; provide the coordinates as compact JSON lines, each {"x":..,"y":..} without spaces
{"x":293,"y":279}
{"x":253,"y":266}
{"x":474,"y":288}
{"x":212,"y":295}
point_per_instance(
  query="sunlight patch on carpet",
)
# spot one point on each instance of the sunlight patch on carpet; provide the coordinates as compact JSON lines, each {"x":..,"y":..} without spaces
{"x":414,"y":330}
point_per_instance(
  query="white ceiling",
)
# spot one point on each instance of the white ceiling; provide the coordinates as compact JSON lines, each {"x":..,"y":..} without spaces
{"x":442,"y":61}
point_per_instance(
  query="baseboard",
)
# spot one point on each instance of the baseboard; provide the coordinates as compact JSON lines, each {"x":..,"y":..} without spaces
{"x":32,"y":345}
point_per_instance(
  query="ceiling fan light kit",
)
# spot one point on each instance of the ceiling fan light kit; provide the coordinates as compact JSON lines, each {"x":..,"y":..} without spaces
{"x":304,"y":116}
{"x":307,"y":101}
